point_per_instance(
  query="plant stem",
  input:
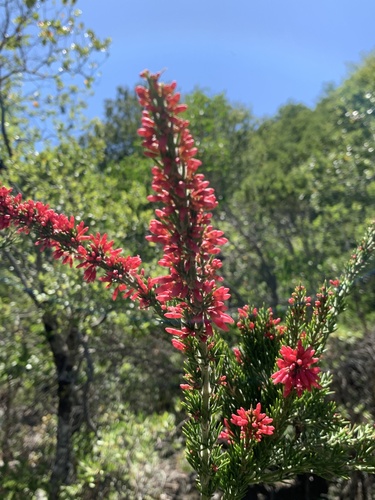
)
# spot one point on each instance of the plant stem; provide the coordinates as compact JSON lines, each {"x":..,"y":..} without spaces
{"x":205,"y":423}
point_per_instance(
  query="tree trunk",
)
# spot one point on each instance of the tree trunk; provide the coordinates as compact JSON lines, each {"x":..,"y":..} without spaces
{"x":62,"y":471}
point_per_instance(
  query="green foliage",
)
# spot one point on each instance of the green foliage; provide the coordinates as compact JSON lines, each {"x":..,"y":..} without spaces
{"x":221,"y":132}
{"x":124,"y":461}
{"x":296,"y":190}
{"x":122,"y":119}
{"x":309,"y":433}
{"x":113,"y":347}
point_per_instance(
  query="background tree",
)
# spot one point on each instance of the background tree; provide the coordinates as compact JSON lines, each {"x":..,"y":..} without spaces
{"x":308,"y":190}
{"x":46,"y":58}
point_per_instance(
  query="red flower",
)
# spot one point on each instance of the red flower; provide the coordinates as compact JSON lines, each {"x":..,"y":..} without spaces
{"x":335,"y":283}
{"x":295,"y":369}
{"x":238,"y":355}
{"x":179,"y":345}
{"x":186,"y":387}
{"x":253,"y":425}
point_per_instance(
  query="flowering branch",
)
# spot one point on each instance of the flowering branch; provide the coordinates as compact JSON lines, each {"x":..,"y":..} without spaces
{"x":278,"y":365}
{"x":232,"y":396}
{"x":190,"y":293}
{"x":70,"y":242}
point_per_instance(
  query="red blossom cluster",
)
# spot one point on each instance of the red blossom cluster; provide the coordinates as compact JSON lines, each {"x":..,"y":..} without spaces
{"x":70,"y":241}
{"x":182,"y":226}
{"x":248,"y":320}
{"x":296,"y":371}
{"x":299,"y":302}
{"x":253,"y":425}
{"x":322,"y":304}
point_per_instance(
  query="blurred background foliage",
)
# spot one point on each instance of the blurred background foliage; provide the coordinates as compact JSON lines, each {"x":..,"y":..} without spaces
{"x":296,"y":191}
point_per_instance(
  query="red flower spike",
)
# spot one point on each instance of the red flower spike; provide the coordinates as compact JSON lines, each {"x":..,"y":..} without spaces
{"x":70,"y":241}
{"x":296,"y":371}
{"x":182,"y":224}
{"x":243,"y":312}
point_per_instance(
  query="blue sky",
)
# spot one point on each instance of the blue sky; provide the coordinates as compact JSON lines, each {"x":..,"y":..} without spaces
{"x":261,"y":53}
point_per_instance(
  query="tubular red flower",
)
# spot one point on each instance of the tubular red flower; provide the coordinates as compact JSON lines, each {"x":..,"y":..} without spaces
{"x":178,"y":345}
{"x":238,"y":355}
{"x":296,"y":371}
